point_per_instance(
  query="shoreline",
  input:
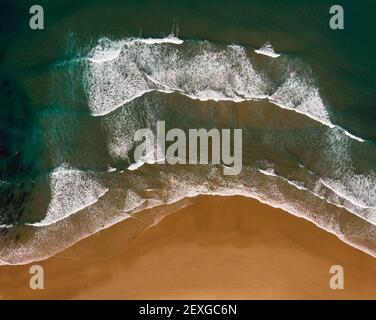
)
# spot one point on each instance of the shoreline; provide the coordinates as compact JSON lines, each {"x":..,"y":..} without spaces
{"x":216,"y":248}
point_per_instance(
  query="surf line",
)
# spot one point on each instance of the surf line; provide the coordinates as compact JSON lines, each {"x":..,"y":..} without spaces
{"x":152,"y":149}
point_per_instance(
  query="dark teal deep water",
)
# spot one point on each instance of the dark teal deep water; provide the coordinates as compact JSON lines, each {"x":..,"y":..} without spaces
{"x":51,"y":144}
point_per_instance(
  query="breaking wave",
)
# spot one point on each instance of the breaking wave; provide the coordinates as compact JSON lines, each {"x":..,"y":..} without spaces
{"x":295,"y":158}
{"x":199,"y":70}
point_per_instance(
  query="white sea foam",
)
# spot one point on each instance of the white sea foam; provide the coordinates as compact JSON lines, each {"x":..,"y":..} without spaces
{"x":111,"y":169}
{"x":123,"y":71}
{"x":118,"y":125}
{"x":108,"y":50}
{"x":339,"y":189}
{"x":101,"y":56}
{"x":353,"y":136}
{"x":71,"y":191}
{"x":199,"y":70}
{"x":6,"y":226}
{"x":208,"y":74}
{"x":186,"y":184}
{"x":301,"y":95}
{"x":268,"y":172}
{"x":141,"y":162}
{"x":338,"y":198}
{"x":296,"y":93}
{"x":121,"y":125}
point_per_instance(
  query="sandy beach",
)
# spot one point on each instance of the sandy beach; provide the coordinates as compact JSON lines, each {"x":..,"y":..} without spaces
{"x":124,"y":125}
{"x":216,"y":248}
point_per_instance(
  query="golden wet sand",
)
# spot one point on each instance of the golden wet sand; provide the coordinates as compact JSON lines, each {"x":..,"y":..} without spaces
{"x":216,"y":248}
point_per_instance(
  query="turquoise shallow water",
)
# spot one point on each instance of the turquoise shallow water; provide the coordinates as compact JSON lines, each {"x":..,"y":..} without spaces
{"x":74,"y":93}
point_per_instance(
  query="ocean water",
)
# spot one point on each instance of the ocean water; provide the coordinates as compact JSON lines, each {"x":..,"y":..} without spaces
{"x":74,"y":93}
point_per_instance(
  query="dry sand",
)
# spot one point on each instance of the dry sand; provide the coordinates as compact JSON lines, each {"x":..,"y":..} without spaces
{"x":219,"y":247}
